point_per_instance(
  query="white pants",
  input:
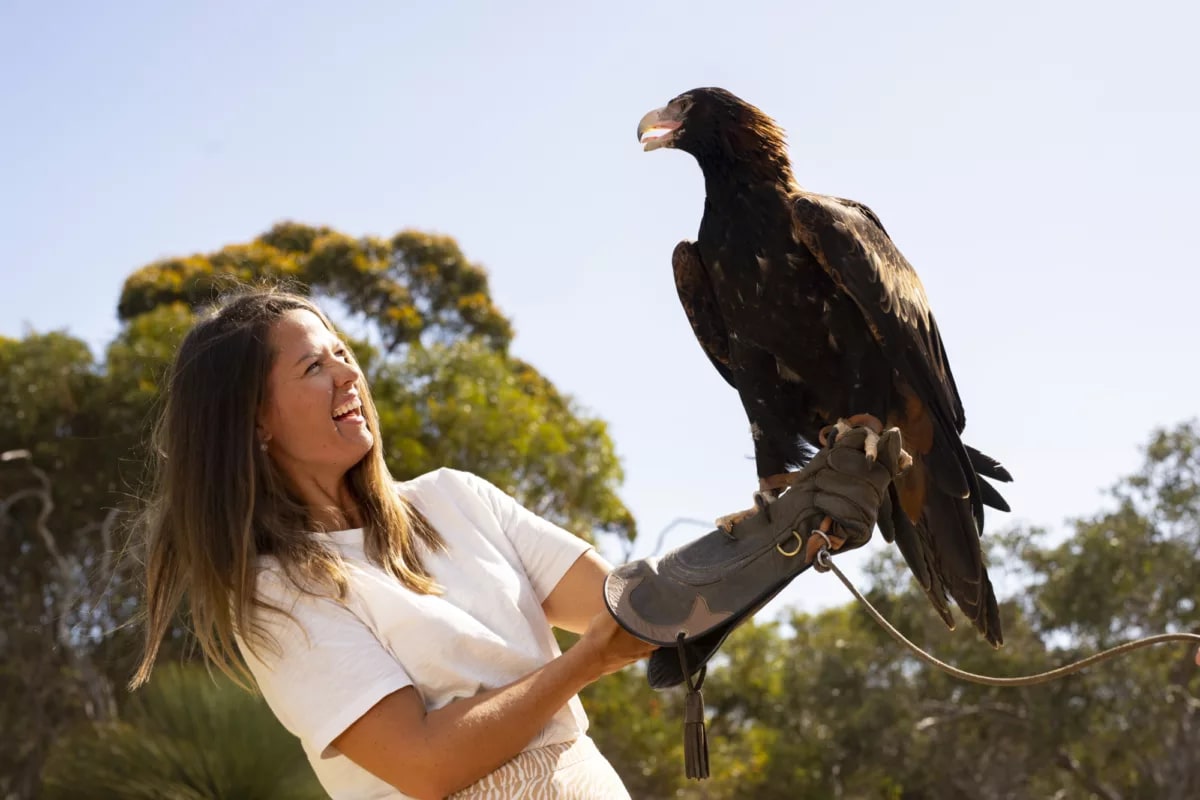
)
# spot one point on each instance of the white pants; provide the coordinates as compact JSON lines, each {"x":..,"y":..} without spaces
{"x":567,"y":771}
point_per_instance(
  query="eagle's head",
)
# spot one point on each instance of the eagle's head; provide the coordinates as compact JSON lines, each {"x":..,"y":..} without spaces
{"x":713,"y":125}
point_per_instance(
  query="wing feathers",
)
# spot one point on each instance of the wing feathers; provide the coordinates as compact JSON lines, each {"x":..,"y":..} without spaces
{"x":992,"y":498}
{"x":700,"y":305}
{"x":987,"y":466}
{"x":943,"y":500}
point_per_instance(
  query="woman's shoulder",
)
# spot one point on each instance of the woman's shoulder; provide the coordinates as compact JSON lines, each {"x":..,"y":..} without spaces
{"x":273,"y":583}
{"x":445,"y":493}
{"x":445,"y":482}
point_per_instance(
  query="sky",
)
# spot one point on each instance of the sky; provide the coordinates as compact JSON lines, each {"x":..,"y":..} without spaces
{"x":1034,"y":161}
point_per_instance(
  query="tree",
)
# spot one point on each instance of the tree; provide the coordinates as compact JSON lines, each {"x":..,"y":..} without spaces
{"x":412,"y":289}
{"x":467,"y":406}
{"x":57,"y":547}
{"x":1132,"y":728}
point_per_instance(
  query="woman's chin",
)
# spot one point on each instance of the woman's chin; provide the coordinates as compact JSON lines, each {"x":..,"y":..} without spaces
{"x":362,"y":439}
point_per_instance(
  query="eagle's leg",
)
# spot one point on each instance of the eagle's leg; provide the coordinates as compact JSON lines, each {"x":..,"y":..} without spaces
{"x":770,"y":463}
{"x":866,"y":386}
{"x":784,"y":480}
{"x":823,"y":536}
{"x":768,"y":403}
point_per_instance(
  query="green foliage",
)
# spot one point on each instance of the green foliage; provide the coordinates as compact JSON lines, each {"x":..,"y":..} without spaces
{"x":53,"y":403}
{"x":188,"y":735}
{"x":467,"y":406}
{"x":54,"y":537}
{"x":414,"y":286}
{"x":1145,"y":548}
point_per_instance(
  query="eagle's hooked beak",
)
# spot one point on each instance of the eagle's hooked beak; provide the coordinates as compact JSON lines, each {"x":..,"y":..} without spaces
{"x":659,"y":127}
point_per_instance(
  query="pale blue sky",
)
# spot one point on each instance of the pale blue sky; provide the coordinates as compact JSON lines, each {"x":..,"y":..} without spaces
{"x":1035,"y":162}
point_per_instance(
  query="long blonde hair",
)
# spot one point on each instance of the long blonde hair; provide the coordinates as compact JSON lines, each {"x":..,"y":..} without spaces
{"x":218,"y":503}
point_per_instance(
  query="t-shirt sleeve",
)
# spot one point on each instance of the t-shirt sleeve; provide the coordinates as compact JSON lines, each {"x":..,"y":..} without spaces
{"x":546,"y":550}
{"x":327,"y":668}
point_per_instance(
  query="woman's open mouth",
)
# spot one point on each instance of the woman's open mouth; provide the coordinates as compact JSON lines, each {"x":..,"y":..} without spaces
{"x":349,"y":411}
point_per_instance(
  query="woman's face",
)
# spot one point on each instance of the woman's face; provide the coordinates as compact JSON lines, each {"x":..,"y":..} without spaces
{"x":311,"y":420}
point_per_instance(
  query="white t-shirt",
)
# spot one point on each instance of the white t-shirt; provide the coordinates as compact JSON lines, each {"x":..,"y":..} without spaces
{"x":486,"y":629}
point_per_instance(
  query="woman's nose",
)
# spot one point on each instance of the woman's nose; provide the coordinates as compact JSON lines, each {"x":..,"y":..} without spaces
{"x":350,"y":374}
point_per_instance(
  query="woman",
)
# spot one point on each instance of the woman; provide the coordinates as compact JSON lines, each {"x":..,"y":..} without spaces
{"x":401,"y":631}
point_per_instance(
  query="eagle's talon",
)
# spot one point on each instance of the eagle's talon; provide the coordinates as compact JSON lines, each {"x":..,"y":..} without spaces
{"x":871,"y":446}
{"x":727,"y":521}
{"x":762,"y":502}
{"x":830,"y":433}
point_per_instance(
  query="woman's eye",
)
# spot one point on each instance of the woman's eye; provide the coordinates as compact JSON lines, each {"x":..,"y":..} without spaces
{"x":312,"y":367}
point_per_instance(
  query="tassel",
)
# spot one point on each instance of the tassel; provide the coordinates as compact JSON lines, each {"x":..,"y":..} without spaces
{"x":695,"y":739}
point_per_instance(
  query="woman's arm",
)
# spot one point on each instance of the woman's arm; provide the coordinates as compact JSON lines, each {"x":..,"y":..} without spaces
{"x":432,"y":754}
{"x":579,"y":595}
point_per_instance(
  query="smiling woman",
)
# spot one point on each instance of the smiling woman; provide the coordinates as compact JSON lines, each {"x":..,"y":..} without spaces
{"x":401,"y":630}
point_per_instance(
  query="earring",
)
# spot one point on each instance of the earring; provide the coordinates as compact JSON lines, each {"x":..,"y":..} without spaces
{"x":263,"y":447}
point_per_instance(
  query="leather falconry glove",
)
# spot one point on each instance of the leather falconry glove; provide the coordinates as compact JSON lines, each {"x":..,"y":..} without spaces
{"x":691,"y":598}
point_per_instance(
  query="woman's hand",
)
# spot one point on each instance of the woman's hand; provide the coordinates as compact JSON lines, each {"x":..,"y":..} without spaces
{"x":609,"y":647}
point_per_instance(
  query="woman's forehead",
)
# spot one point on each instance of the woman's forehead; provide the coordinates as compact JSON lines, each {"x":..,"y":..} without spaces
{"x":299,"y":329}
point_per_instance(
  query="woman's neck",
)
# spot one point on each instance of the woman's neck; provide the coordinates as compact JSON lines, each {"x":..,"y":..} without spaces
{"x":330,"y":504}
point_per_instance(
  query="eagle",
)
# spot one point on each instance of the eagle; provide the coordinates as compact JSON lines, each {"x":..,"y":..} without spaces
{"x":806,"y":307}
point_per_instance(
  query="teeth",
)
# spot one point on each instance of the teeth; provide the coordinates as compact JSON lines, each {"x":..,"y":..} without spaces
{"x":348,"y":406}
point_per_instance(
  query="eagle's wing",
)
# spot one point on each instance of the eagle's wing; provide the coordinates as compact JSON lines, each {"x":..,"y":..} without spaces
{"x":851,"y":244}
{"x":700,"y":305}
{"x":942,"y":546}
{"x":901,"y":292}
